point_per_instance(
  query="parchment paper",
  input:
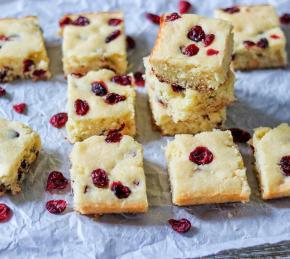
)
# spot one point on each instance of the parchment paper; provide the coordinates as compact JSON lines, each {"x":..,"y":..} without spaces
{"x":263,"y":100}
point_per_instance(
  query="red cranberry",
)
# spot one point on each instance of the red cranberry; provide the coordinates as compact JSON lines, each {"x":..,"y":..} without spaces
{"x":130,"y":43}
{"x":190,"y":50}
{"x":39,"y":73}
{"x":240,"y":136}
{"x":56,"y":206}
{"x":249,"y":43}
{"x":81,"y":107}
{"x":3,"y":38}
{"x":2,"y":91}
{"x":275,"y":36}
{"x":100,"y":178}
{"x":263,"y":43}
{"x":121,"y":191}
{"x":27,"y":65}
{"x":56,"y":181}
{"x":115,"y":136}
{"x":231,"y":10}
{"x":113,"y":36}
{"x":5,"y":212}
{"x":172,"y":17}
{"x":181,"y":225}
{"x":115,"y":21}
{"x":196,"y":33}
{"x":58,"y":120}
{"x":19,"y":108}
{"x":99,"y":88}
{"x":81,"y":21}
{"x":184,"y":6}
{"x":177,"y":88}
{"x":121,"y":80}
{"x":285,"y":18}
{"x":201,"y":156}
{"x":211,"y":52}
{"x":285,"y":165}
{"x":113,"y":98}
{"x":154,"y":18}
{"x":208,"y":39}
{"x":138,"y":78}
{"x":65,"y":21}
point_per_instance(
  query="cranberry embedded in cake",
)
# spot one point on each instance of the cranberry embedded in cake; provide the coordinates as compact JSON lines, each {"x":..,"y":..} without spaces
{"x":285,"y":165}
{"x":99,"y":88}
{"x":201,"y":156}
{"x":122,"y":80}
{"x":81,"y":107}
{"x":100,"y":178}
{"x":121,"y":191}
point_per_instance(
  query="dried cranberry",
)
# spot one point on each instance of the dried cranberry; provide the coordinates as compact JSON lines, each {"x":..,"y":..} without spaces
{"x":130,"y":43}
{"x":113,"y":36}
{"x":2,"y":91}
{"x":201,"y":156}
{"x":115,"y":21}
{"x":275,"y":36}
{"x":3,"y":38}
{"x":65,"y":21}
{"x":99,"y":88}
{"x":196,"y":33}
{"x":115,"y":136}
{"x":172,"y":17}
{"x":121,"y":191}
{"x":181,"y":225}
{"x":5,"y":212}
{"x":177,"y":88}
{"x":285,"y":18}
{"x":249,"y":43}
{"x":27,"y":64}
{"x":240,"y":136}
{"x":100,"y":178}
{"x":56,"y":181}
{"x":208,"y":39}
{"x":19,"y":108}
{"x":231,"y":10}
{"x":184,"y":6}
{"x":58,"y":120}
{"x":263,"y":43}
{"x":190,"y":50}
{"x":81,"y":107}
{"x":121,"y":80}
{"x":39,"y":73}
{"x":113,"y":98}
{"x":285,"y":165}
{"x":81,"y":21}
{"x":154,"y":18}
{"x":138,"y":79}
{"x":211,"y":52}
{"x":56,"y":206}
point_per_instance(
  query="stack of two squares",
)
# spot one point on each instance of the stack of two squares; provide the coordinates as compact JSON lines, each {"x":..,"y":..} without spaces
{"x":188,"y":74}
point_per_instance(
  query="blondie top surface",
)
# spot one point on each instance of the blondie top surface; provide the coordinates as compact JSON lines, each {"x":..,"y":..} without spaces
{"x":112,"y":181}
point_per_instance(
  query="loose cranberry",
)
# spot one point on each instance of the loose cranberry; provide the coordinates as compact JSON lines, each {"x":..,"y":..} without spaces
{"x":190,"y":50}
{"x":100,"y":178}
{"x":184,"y":6}
{"x":201,"y":156}
{"x":211,"y":52}
{"x":19,"y":108}
{"x":81,"y":107}
{"x":65,"y":21}
{"x":240,"y":136}
{"x":113,"y":36}
{"x":99,"y":88}
{"x":56,"y":206}
{"x":138,"y":79}
{"x":285,"y":18}
{"x":130,"y":43}
{"x":121,"y":191}
{"x":59,"y":120}
{"x":208,"y":39}
{"x":231,"y":10}
{"x":263,"y":43}
{"x":115,"y":21}
{"x":56,"y":181}
{"x":285,"y":165}
{"x":81,"y":21}
{"x":27,"y":65}
{"x":275,"y":36}
{"x":113,"y":98}
{"x":39,"y":73}
{"x":122,"y":80}
{"x":196,"y":33}
{"x":181,"y":225}
{"x":115,"y":136}
{"x":5,"y":212}
{"x":2,"y":91}
{"x":172,"y":17}
{"x":177,"y":88}
{"x":249,"y":43}
{"x":154,"y":18}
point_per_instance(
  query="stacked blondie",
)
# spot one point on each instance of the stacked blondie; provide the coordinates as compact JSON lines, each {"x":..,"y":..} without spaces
{"x":188,"y":74}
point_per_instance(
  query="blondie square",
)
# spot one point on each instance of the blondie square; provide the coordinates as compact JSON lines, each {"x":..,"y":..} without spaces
{"x":22,"y":50}
{"x":92,"y":41}
{"x":258,"y":40}
{"x":108,"y":177}
{"x":181,"y":103}
{"x":206,"y":168}
{"x":192,"y":51}
{"x":19,"y":148}
{"x":272,"y":154}
{"x":100,"y":102}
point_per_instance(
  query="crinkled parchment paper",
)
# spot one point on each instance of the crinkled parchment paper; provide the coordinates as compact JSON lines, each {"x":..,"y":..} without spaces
{"x":263,"y":100}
